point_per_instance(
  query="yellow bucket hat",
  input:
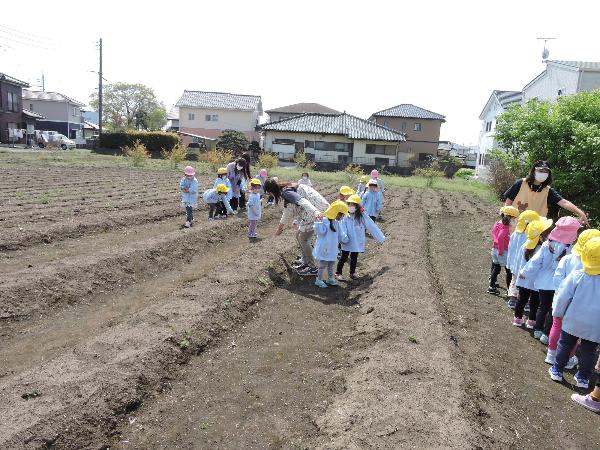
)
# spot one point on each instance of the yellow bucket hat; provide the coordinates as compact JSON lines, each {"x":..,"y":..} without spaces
{"x":222,"y":171}
{"x":346,"y":190}
{"x":510,"y":211}
{"x":222,"y":189}
{"x":364,"y":179}
{"x":354,"y":199}
{"x":583,"y":238}
{"x":255,"y":182}
{"x":335,"y":208}
{"x":535,"y":230}
{"x":590,"y":257}
{"x":524,"y":218}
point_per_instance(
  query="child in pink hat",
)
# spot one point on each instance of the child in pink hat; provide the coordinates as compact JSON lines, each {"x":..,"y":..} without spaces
{"x":375,"y":176}
{"x":189,"y":194}
{"x":542,"y":266}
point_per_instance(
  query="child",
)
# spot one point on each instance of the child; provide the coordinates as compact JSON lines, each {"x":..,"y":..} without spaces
{"x":375,"y":176}
{"x":305,"y":179}
{"x":592,"y":400}
{"x":501,"y":237}
{"x":568,"y":264}
{"x":542,"y":266}
{"x":189,"y":194}
{"x":362,"y":186}
{"x":329,"y":235}
{"x":536,"y":234}
{"x":355,"y":226}
{"x":254,"y":210}
{"x":578,"y":306}
{"x":213,"y":196}
{"x":221,"y":211}
{"x":345,"y":192}
{"x":371,"y":200}
{"x":514,"y":258}
{"x":262,"y":177}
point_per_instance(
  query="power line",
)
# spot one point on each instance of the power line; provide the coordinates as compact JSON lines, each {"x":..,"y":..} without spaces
{"x":26,"y":44}
{"x":24,"y":34}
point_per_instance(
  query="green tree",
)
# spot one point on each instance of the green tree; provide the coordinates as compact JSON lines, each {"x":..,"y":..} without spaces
{"x":234,"y":141}
{"x":156,"y":119}
{"x":565,"y":133}
{"x":129,"y":106}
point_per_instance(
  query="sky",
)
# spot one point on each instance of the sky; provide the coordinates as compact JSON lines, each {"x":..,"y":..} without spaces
{"x":353,"y":56}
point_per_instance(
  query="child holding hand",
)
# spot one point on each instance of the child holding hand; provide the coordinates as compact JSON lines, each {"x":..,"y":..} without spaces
{"x":329,"y":235}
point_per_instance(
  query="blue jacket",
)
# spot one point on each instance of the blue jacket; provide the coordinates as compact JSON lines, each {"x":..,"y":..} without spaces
{"x":262,"y":183}
{"x":189,"y":198}
{"x":211,"y":196}
{"x":523,"y":281}
{"x":542,"y":265}
{"x":360,"y":190}
{"x":381,"y":185}
{"x":578,"y":304}
{"x":514,"y":245}
{"x":355,"y":229}
{"x":568,"y":264}
{"x":372,"y":202}
{"x":254,"y":207}
{"x":326,"y":247}
{"x":227,"y":183}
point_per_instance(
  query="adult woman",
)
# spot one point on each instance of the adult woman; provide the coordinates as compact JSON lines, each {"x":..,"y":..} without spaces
{"x":534,"y":192}
{"x":236,"y":172}
{"x":301,"y":205}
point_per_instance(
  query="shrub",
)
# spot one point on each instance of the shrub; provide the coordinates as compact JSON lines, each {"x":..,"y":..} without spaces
{"x":176,"y":155}
{"x":500,"y":177}
{"x":154,"y":141}
{"x":216,"y":158}
{"x":303,"y":162}
{"x":267,"y":160}
{"x":233,"y":141}
{"x":464,"y":173}
{"x":430,"y":173}
{"x":136,"y":153}
{"x":353,"y":172}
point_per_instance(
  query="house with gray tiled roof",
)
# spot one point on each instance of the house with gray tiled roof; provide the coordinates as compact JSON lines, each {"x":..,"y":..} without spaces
{"x":285,"y":112}
{"x":335,"y":138}
{"x":62,"y":113}
{"x":421,"y":126}
{"x":208,"y":114}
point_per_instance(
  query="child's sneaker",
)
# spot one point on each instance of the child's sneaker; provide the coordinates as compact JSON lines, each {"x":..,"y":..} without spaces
{"x":298,"y":265}
{"x":544,"y":339}
{"x":581,"y":382}
{"x":550,"y":357}
{"x":308,"y":272}
{"x":555,"y":374}
{"x":537,"y":334}
{"x":332,"y":282}
{"x":587,"y":402}
{"x":339,"y":277}
{"x":320,"y":283}
{"x":512,"y":302}
{"x":187,"y":224}
{"x":493,"y":290}
{"x":572,"y":362}
{"x":517,"y":322}
{"x":530,"y":324}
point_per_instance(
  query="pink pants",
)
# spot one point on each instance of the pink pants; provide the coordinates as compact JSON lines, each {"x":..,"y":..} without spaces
{"x":555,"y":335}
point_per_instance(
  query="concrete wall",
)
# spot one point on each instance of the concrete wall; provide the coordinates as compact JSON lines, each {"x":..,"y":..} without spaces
{"x":590,"y":81}
{"x":487,"y":139}
{"x":547,"y":86}
{"x":244,"y":121}
{"x":425,"y":141}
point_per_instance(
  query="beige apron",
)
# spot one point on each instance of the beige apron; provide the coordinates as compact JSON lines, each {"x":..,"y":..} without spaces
{"x":536,"y":201}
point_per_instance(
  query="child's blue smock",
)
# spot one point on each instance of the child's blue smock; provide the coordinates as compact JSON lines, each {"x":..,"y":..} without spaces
{"x":326,"y":246}
{"x":355,"y":229}
{"x":227,"y":183}
{"x":514,"y":245}
{"x":211,"y":196}
{"x":526,"y":282}
{"x":254,"y":206}
{"x":189,"y":198}
{"x":543,"y":264}
{"x":372,"y":202}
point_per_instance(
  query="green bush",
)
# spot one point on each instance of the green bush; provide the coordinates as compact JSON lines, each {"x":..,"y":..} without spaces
{"x":154,"y":141}
{"x":353,"y":172}
{"x":267,"y":160}
{"x":216,"y":158}
{"x":302,"y":162}
{"x":175,"y":156}
{"x":431,"y":173}
{"x":137,"y":153}
{"x":464,"y":173}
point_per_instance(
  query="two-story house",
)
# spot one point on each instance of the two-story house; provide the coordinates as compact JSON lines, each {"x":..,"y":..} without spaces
{"x":208,"y":114}
{"x":563,"y":78}
{"x":62,"y":114}
{"x":496,"y":105}
{"x":421,"y":126}
{"x":11,"y":106}
{"x":297,"y":109}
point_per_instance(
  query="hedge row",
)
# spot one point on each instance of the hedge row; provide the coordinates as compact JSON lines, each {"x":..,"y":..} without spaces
{"x":154,"y":141}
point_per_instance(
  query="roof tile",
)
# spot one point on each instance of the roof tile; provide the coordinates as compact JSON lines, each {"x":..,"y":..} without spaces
{"x":409,"y":111}
{"x":219,"y":100}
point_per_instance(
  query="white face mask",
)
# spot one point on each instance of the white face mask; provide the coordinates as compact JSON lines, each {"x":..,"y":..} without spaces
{"x":351,"y":209}
{"x":540,"y":177}
{"x":305,"y":178}
{"x":238,"y":167}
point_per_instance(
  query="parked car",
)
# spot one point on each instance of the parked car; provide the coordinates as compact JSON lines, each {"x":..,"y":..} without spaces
{"x":53,"y":139}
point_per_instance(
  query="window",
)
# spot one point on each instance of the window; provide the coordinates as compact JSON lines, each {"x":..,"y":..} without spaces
{"x":31,"y":107}
{"x":417,"y":126}
{"x":309,"y":144}
{"x":333,"y":146}
{"x":561,"y":92}
{"x":191,"y":116}
{"x":13,"y":105}
{"x":373,"y":149}
{"x":75,"y":111}
{"x":403,"y":126}
{"x":284,"y":141}
{"x":215,"y":117}
{"x":211,"y":117}
{"x":488,"y":127}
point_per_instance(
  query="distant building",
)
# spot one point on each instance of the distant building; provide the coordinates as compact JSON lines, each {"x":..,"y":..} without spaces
{"x":421,"y":127}
{"x":11,"y":107}
{"x":286,"y":112}
{"x":563,"y":78}
{"x":465,"y":153}
{"x":173,"y":119}
{"x":208,"y":114}
{"x":62,"y":113}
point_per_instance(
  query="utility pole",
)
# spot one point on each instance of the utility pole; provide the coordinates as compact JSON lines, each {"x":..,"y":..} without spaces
{"x":100,"y":90}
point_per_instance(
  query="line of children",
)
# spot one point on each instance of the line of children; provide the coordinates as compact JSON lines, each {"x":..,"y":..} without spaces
{"x":557,"y":271}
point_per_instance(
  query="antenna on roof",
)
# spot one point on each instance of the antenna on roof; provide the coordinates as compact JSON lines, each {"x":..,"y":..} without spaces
{"x":545,"y":52}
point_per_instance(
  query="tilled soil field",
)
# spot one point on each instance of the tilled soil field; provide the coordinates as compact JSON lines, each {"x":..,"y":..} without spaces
{"x":119,"y":329}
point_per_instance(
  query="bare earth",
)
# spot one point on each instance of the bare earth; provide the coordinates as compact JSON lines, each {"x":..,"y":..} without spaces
{"x":138,"y":334}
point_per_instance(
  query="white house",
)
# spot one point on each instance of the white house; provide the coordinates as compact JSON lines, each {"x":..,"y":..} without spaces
{"x":210,"y":113}
{"x":336,"y":138}
{"x":563,"y":78}
{"x":496,"y":105}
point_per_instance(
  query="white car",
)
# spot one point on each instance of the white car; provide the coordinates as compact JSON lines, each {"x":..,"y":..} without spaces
{"x":55,"y":139}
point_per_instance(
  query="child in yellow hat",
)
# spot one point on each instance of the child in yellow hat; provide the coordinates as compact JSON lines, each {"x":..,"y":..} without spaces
{"x":578,"y":306}
{"x":329,"y":235}
{"x":514,"y":259}
{"x":501,"y":239}
{"x":254,"y":208}
{"x":221,"y":210}
{"x":362,"y":186}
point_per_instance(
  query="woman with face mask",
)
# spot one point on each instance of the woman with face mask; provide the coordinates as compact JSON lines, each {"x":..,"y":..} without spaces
{"x":535,"y":193}
{"x":236,"y":172}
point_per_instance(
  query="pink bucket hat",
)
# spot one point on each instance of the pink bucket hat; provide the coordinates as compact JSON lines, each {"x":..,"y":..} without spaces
{"x":374,"y":173}
{"x":263,"y":172}
{"x":189,"y":170}
{"x":565,"y":231}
